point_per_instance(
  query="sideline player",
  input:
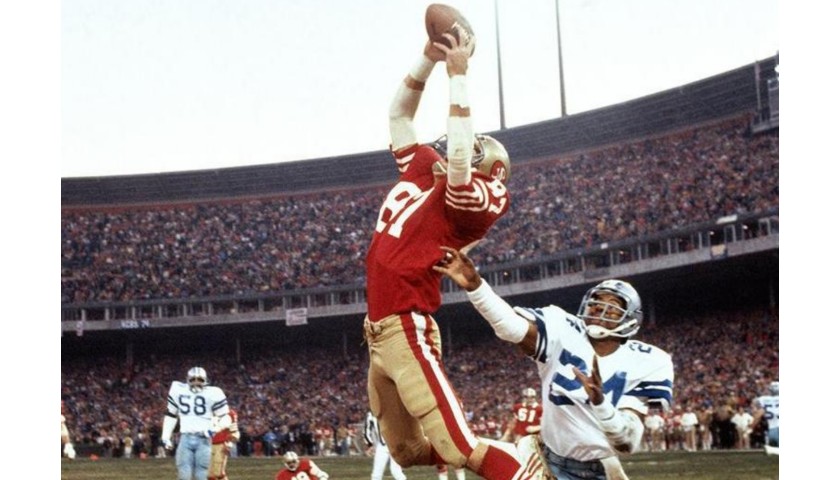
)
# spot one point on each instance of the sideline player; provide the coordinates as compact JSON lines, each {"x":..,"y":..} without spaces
{"x":596,"y":383}
{"x":67,"y":449}
{"x":418,"y":410}
{"x":201,"y":410}
{"x":526,"y":417}
{"x":767,"y":407}
{"x":220,"y":448}
{"x":443,"y":472}
{"x":298,"y":468}
{"x":381,"y":454}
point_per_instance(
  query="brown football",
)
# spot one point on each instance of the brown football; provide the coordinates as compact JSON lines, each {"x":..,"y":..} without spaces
{"x":442,"y":18}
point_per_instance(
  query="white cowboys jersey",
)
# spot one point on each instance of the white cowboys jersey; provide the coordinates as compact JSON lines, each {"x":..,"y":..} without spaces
{"x":770,"y":404}
{"x":372,"y":434}
{"x":195,"y":410}
{"x":633,"y":376}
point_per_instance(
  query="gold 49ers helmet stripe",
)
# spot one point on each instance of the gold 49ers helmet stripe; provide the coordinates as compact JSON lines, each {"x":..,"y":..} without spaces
{"x":416,"y":327}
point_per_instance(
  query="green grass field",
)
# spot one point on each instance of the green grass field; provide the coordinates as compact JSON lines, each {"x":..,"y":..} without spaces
{"x":714,"y":465}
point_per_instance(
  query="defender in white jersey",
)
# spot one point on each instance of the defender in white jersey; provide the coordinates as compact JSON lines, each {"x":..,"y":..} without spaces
{"x":767,"y":407}
{"x":202,"y":410}
{"x":596,"y":382}
{"x":381,"y":454}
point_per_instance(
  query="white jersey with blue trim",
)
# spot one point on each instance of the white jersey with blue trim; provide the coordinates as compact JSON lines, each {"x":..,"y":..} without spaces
{"x":372,"y":434}
{"x":770,"y":404}
{"x":633,"y":376}
{"x":195,"y":410}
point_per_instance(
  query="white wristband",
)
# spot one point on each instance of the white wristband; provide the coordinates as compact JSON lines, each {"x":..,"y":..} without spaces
{"x":422,"y":69}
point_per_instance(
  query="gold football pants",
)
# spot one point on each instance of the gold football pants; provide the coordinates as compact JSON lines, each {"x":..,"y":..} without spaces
{"x":219,"y":454}
{"x":410,"y":394}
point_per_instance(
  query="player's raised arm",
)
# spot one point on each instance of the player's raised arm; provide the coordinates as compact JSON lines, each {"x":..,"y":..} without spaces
{"x":405,"y":102}
{"x":507,"y":324}
{"x":460,"y":134}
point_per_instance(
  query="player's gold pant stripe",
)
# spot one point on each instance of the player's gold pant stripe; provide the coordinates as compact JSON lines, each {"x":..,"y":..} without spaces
{"x":418,"y":330}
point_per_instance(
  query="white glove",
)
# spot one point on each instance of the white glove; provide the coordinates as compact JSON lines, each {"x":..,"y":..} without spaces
{"x":167,"y":444}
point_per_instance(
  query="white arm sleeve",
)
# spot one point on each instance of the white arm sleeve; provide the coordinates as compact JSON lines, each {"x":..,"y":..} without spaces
{"x":168,"y":427}
{"x":404,"y":106}
{"x":222,"y":422}
{"x":459,"y":135}
{"x":623,"y":428}
{"x":507,"y":324}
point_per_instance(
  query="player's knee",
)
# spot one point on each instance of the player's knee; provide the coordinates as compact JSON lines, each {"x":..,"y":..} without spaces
{"x":407,"y":454}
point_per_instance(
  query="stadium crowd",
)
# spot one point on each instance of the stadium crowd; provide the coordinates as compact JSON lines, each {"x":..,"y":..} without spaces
{"x":723,"y":359}
{"x":300,"y":241}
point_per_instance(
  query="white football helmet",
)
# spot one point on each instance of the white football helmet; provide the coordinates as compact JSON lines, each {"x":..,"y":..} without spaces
{"x":529,"y":394}
{"x":489,"y":156}
{"x":291,"y":460}
{"x":627,"y":324}
{"x":774,"y":388}
{"x":197,"y":379}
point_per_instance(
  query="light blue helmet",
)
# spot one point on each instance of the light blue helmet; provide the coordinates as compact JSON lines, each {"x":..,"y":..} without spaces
{"x":631,"y":312}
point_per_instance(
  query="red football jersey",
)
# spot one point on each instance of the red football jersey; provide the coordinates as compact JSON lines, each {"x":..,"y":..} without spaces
{"x":526,"y":415}
{"x":420,"y":214}
{"x":226,"y":434}
{"x":302,"y":472}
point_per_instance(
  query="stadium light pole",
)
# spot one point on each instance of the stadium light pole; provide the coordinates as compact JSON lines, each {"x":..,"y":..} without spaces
{"x":560,"y":62}
{"x":499,"y":67}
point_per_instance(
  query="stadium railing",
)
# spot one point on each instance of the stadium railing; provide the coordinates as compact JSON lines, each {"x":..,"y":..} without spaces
{"x":725,"y":237}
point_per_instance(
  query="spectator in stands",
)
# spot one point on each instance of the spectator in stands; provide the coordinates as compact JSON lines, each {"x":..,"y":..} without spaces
{"x":97,"y":400}
{"x":127,"y":253}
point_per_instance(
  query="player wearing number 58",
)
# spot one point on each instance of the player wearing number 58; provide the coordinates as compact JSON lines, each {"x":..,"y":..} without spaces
{"x":596,"y":381}
{"x":202,"y":410}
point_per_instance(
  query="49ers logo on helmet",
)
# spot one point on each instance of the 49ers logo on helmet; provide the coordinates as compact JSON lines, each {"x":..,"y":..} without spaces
{"x":498,"y":170}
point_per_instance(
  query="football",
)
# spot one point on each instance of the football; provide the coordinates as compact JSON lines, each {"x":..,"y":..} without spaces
{"x":442,"y":18}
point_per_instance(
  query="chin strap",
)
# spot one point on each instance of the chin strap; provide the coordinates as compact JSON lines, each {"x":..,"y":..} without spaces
{"x":598,"y":332}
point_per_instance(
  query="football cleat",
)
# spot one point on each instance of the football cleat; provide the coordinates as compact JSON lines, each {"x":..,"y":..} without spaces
{"x":530,"y":453}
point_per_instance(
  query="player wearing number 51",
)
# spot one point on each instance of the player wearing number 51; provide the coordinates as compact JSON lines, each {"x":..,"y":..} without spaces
{"x":596,"y":382}
{"x":452,"y":195}
{"x":202,"y":410}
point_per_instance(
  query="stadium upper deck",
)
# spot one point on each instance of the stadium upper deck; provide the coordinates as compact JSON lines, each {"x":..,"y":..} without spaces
{"x":723,"y":95}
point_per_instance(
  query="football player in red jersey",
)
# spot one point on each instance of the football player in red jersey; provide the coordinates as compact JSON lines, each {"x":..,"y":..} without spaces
{"x":526,"y":417}
{"x":438,"y":200}
{"x":298,"y":468}
{"x":220,"y":448}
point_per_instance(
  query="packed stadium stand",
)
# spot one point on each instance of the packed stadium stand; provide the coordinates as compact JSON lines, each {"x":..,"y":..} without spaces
{"x":677,"y":192}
